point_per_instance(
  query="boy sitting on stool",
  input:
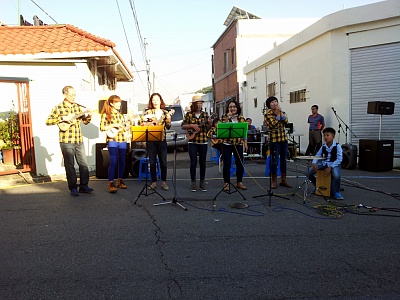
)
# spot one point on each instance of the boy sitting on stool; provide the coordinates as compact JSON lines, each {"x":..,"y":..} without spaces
{"x":332,"y":152}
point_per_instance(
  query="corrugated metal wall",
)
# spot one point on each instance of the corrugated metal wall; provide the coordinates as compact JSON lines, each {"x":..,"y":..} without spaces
{"x":375,"y":76}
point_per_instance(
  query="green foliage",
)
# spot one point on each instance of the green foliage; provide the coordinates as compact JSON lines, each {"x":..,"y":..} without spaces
{"x":205,"y":90}
{"x":9,"y":129}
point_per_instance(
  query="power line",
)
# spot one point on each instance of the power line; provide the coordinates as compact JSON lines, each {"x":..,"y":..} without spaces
{"x":126,"y":37}
{"x":44,"y":11}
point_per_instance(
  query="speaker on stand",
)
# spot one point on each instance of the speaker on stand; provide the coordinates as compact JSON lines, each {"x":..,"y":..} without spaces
{"x":349,"y":156}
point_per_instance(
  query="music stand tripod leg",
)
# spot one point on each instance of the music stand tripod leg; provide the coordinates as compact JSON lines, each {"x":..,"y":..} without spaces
{"x":270,"y":193}
{"x":174,"y":199}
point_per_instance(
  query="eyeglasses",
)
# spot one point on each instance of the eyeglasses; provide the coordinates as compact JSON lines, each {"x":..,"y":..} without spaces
{"x":232,"y":106}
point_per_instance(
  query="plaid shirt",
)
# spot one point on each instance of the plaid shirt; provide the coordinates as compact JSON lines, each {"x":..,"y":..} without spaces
{"x":277,"y":127}
{"x":233,"y":141}
{"x":116,"y":118}
{"x":190,"y":118}
{"x":162,"y":121}
{"x":74,"y":133}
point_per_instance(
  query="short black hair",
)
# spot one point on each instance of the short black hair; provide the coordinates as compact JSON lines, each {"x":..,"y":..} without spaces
{"x":330,"y":130}
{"x":239,"y":109}
{"x":316,"y":106}
{"x":269,"y":100}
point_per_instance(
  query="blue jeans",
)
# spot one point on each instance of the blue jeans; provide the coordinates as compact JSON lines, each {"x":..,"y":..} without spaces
{"x":159,"y":149}
{"x":117,"y":152}
{"x":71,"y":152}
{"x":201,"y":149}
{"x":237,"y":151}
{"x":335,"y":177}
{"x":278,"y":150}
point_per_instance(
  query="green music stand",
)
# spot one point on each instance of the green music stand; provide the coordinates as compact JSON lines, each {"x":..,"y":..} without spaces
{"x":228,"y":131}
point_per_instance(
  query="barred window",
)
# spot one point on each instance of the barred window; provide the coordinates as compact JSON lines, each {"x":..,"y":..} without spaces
{"x":271,"y":91}
{"x":298,"y":96}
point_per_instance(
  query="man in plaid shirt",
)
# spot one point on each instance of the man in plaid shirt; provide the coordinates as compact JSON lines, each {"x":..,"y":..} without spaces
{"x":275,"y":119}
{"x":197,"y":123}
{"x":68,"y":116}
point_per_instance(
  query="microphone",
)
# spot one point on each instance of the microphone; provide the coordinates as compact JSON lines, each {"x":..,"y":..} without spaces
{"x":334,"y":110}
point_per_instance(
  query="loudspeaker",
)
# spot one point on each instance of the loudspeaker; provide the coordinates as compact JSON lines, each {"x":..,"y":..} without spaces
{"x":349,"y":156}
{"x":123,"y":110}
{"x":376,"y":155}
{"x":103,"y":161}
{"x":380,"y":108}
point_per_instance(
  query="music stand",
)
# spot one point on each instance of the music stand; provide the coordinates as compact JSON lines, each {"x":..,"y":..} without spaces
{"x":227,"y":131}
{"x":270,"y":192}
{"x":174,"y":199}
{"x":147,"y":134}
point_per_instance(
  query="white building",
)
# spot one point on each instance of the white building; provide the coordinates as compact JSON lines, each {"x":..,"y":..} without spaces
{"x":341,"y":63}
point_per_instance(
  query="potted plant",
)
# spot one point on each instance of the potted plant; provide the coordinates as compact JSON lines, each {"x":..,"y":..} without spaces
{"x":10,"y":137}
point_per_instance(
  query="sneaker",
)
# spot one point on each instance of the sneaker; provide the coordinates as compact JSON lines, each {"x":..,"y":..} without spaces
{"x":193,"y":187}
{"x":338,"y":196}
{"x":165,"y":187}
{"x":203,"y":186}
{"x":74,"y":192}
{"x":85,"y":189}
{"x":152,"y":186}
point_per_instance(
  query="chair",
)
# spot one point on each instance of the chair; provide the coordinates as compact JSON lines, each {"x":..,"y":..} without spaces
{"x":143,"y":167}
{"x":267,"y":164}
{"x":214,"y":155}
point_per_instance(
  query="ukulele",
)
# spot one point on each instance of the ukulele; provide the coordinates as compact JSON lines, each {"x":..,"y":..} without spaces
{"x":191,"y":133}
{"x":65,"y":125}
{"x":112,"y":132}
{"x":153,"y":118}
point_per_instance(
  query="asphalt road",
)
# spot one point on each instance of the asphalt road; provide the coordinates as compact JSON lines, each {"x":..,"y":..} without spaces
{"x":104,"y":246}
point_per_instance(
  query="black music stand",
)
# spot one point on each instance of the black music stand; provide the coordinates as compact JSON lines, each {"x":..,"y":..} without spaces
{"x":227,"y":131}
{"x":174,"y":199}
{"x":147,"y":134}
{"x":270,"y":192}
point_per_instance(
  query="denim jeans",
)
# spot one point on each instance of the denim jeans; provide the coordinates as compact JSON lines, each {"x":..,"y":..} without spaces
{"x":201,"y":149}
{"x":335,"y":177}
{"x":159,"y":149}
{"x":278,"y":150}
{"x":117,"y":152}
{"x":237,"y":151}
{"x":70,"y":152}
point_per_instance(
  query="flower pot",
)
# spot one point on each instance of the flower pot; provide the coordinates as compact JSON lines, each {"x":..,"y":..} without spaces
{"x":8,"y":156}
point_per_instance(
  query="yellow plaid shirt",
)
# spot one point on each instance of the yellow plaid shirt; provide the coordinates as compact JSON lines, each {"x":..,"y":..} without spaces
{"x":277,"y":127}
{"x":233,"y":141}
{"x":190,"y":118}
{"x":116,"y":118}
{"x":162,"y":121}
{"x":73,"y":134}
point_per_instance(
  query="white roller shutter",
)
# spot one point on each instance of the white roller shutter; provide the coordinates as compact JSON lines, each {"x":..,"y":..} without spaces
{"x":375,"y":76}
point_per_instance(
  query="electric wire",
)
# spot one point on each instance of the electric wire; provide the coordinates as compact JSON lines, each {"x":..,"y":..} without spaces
{"x":43,"y":11}
{"x":126,"y":36}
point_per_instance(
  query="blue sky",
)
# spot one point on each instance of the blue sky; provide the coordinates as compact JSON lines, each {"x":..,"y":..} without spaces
{"x":179,"y":33}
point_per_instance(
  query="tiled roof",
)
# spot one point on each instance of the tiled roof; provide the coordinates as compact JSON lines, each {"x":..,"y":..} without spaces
{"x":31,"y":40}
{"x":49,"y":39}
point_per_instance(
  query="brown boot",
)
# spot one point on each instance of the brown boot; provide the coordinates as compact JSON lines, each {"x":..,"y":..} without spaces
{"x":274,"y":180}
{"x":241,"y":186}
{"x":121,"y":184}
{"x":111,"y":187}
{"x":284,"y":182}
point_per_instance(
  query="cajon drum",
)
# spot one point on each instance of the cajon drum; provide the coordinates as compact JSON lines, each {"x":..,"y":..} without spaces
{"x":323,"y":184}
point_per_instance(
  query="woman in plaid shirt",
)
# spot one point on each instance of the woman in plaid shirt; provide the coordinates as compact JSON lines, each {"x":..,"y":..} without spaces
{"x":113,"y":122}
{"x":233,"y":146}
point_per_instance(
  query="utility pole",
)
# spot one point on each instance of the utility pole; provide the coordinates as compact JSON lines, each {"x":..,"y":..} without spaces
{"x":147,"y":68}
{"x":154,"y":82}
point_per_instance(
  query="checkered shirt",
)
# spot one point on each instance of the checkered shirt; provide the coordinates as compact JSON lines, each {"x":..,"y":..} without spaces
{"x":74,"y":133}
{"x":277,"y":127}
{"x":116,"y":118}
{"x":162,"y":121}
{"x":190,"y":118}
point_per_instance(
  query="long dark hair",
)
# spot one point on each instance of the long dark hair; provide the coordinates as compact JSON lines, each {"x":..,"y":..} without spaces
{"x":150,"y":104}
{"x":238,"y":108}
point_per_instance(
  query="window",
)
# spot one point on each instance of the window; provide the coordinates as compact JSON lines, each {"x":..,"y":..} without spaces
{"x":298,"y":96}
{"x":226,"y":61}
{"x":233,"y":56}
{"x":255,"y":102}
{"x":271,"y":89}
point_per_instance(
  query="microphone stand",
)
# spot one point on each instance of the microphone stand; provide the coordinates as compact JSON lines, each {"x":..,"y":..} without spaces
{"x":174,"y":199}
{"x":340,"y":125}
